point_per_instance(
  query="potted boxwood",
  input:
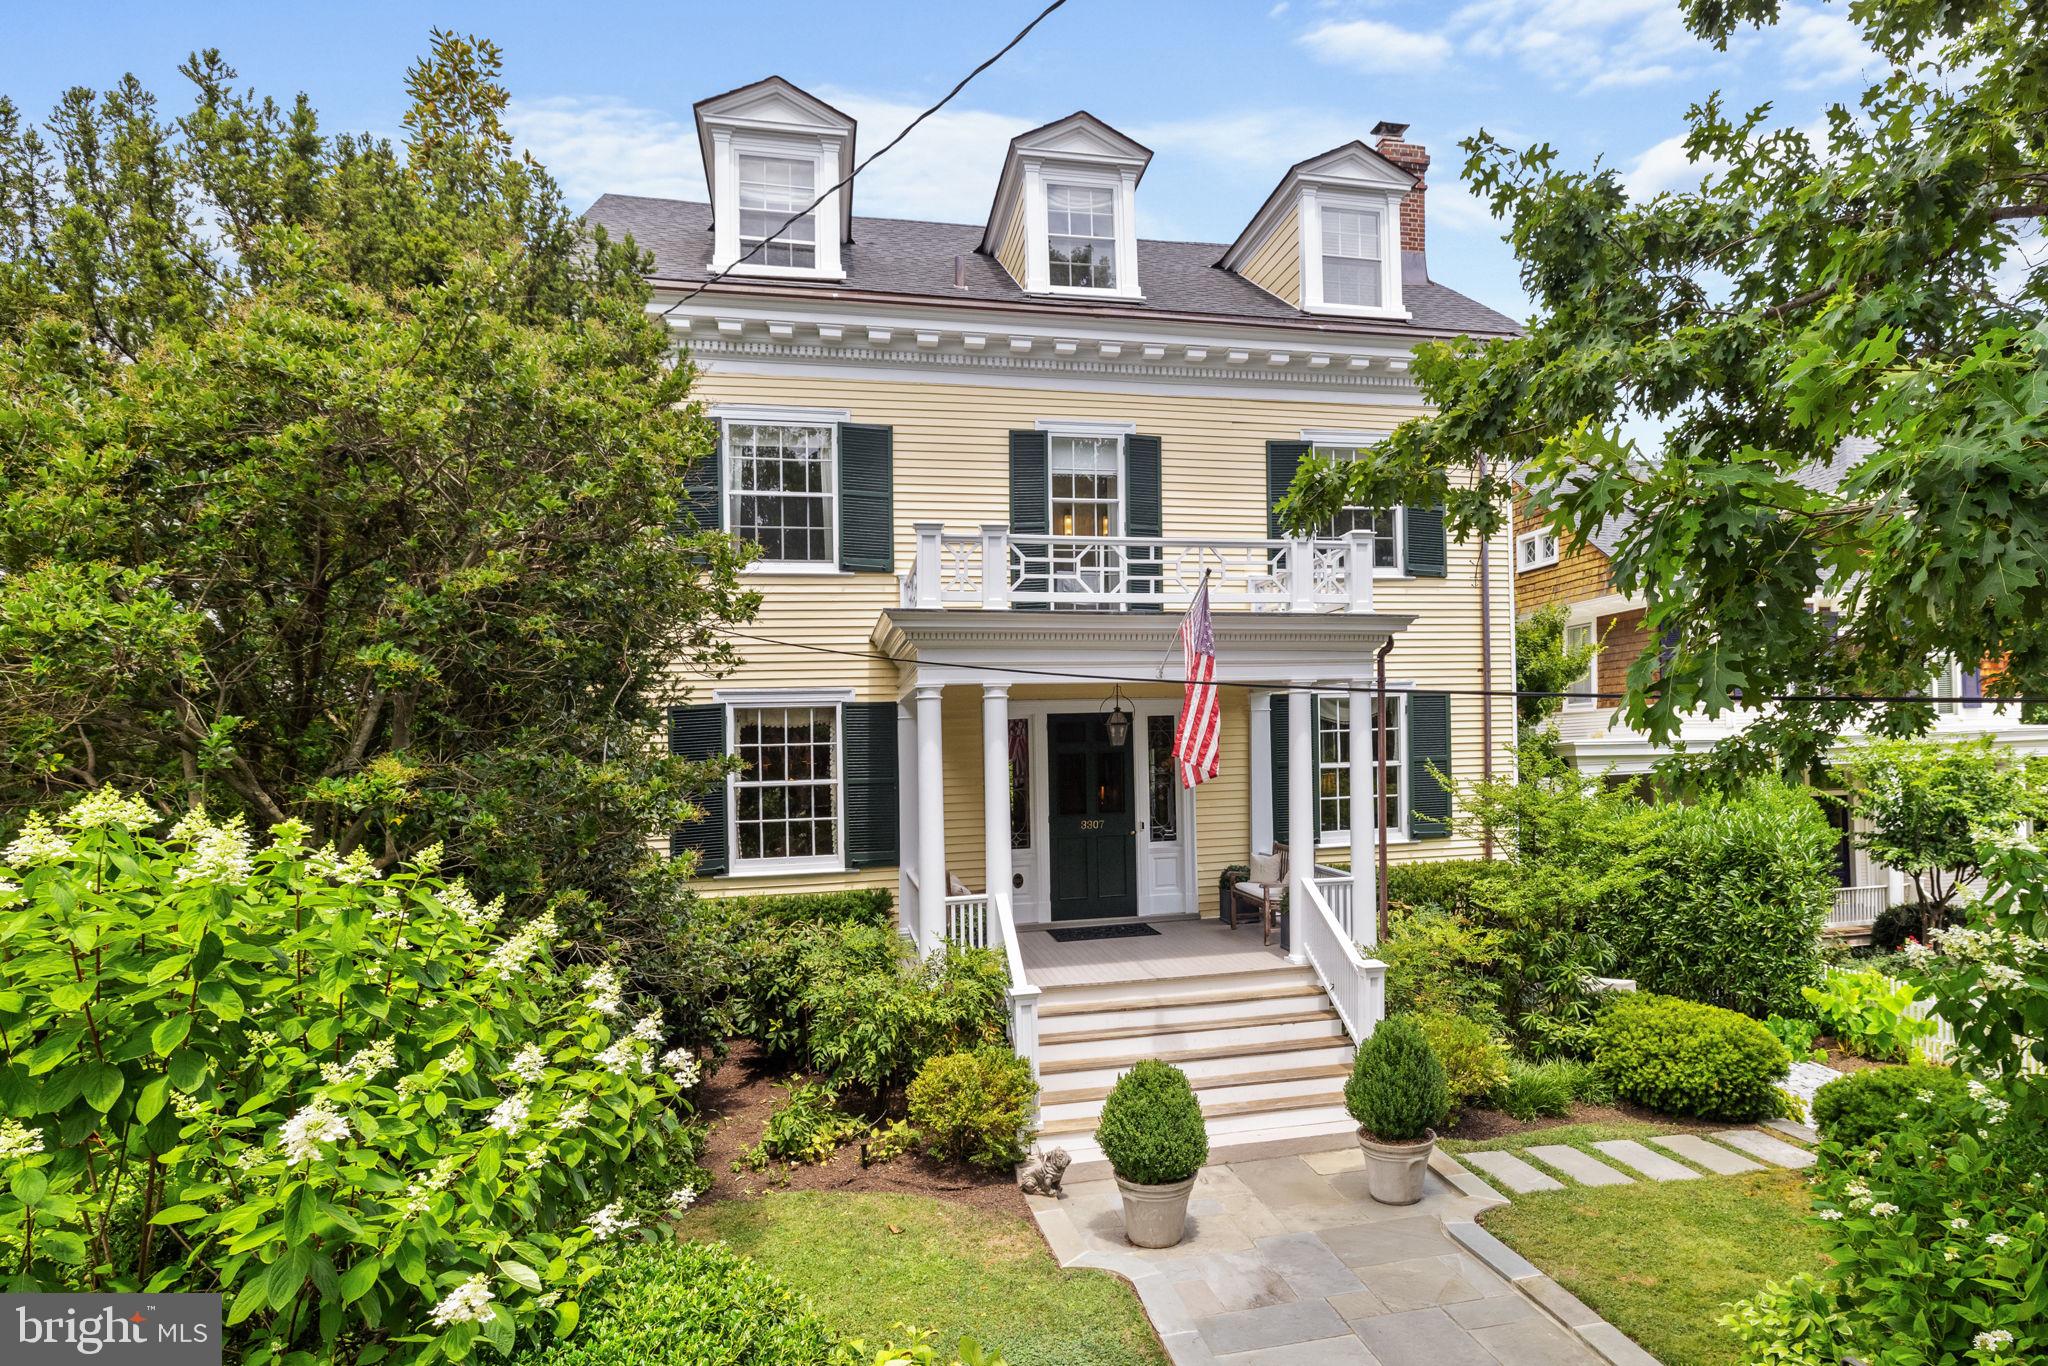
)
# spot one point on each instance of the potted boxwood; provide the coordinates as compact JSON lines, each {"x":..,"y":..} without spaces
{"x":1152,"y":1133}
{"x":1398,"y":1094}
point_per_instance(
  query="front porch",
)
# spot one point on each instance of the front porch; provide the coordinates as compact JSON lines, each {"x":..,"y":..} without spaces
{"x":1176,"y":948}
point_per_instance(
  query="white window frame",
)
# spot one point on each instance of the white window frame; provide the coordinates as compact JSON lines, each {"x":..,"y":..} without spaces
{"x":833,"y":700}
{"x":1101,"y":431}
{"x":1535,"y":549}
{"x":756,"y":415}
{"x":747,"y":243}
{"x":1397,"y":728}
{"x":1583,"y":691}
{"x":1314,"y":199}
{"x":1371,"y":237}
{"x":729,"y":145}
{"x":1121,"y":182}
{"x":1057,"y":182}
{"x":1348,"y":444}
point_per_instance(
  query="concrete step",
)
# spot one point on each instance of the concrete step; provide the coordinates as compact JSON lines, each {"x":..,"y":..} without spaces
{"x":1232,"y":1138}
{"x":1244,"y":1003}
{"x":1109,"y":1047}
{"x":1321,"y":1097}
{"x":1202,"y":1021}
{"x":1234,"y":979}
{"x":1203,"y":1066}
{"x":1278,"y":1087}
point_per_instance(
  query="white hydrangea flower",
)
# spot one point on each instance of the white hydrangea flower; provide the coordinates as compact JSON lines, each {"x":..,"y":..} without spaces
{"x":1857,"y":1188}
{"x":37,"y":843}
{"x":1831,"y":1214}
{"x":374,"y":1059}
{"x":457,"y":897}
{"x":1997,"y":1239}
{"x":109,"y":807}
{"x":1884,"y":1209}
{"x":469,"y":1302}
{"x":530,"y":1063}
{"x":18,"y":1140}
{"x":604,"y":991}
{"x":428,"y":860}
{"x":249,"y":1159}
{"x":353,"y":871}
{"x":220,"y":857}
{"x":288,"y":839}
{"x":681,"y":1198}
{"x":419,"y":1197}
{"x":510,"y":1114}
{"x":8,"y":888}
{"x":1948,"y":1254}
{"x":191,"y":826}
{"x":610,"y":1220}
{"x":648,"y":1028}
{"x":2004,"y":975}
{"x":683,"y":1066}
{"x":1959,"y":1224}
{"x":1992,"y":1340}
{"x":618,"y":1058}
{"x":301,"y":1136}
{"x":510,"y":957}
{"x":571,"y":1115}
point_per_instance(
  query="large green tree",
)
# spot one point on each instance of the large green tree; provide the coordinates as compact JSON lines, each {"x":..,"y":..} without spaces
{"x":1817,"y":294}
{"x":343,"y":480}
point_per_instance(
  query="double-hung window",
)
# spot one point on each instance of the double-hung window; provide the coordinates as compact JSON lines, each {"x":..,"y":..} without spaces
{"x":1580,"y":692}
{"x":1087,"y":507}
{"x":781,"y":490}
{"x":1535,"y":549}
{"x":1383,"y":523}
{"x":1080,"y":229}
{"x":772,"y":189}
{"x":785,"y":801}
{"x":1333,"y":764}
{"x":1352,"y":268}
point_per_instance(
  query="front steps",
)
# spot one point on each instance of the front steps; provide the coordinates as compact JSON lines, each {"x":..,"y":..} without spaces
{"x":1266,"y":1054}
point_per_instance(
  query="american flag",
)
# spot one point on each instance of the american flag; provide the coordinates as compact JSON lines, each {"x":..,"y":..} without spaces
{"x":1198,"y":739}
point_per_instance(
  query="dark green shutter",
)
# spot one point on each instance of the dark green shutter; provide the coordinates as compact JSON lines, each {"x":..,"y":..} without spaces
{"x":1283,"y":458}
{"x":1425,"y":543}
{"x":1279,"y":747}
{"x":700,"y":486}
{"x":699,"y":733}
{"x":1030,"y":503}
{"x":1142,"y":514}
{"x":1429,"y":743}
{"x":867,"y":532}
{"x":868,"y":744}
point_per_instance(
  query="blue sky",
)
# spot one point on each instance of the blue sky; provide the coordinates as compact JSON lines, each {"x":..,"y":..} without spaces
{"x":1227,"y":93}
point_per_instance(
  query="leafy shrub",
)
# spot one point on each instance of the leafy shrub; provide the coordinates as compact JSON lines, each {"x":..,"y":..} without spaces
{"x":1730,"y":909}
{"x":1439,"y":962}
{"x":807,"y":1127}
{"x":909,"y":1346}
{"x":1897,"y":924}
{"x":889,"y":1142}
{"x":349,"y":1099}
{"x":1878,"y":1101}
{"x":1535,"y":1090}
{"x":1151,"y":1128}
{"x":1869,"y":1014}
{"x":975,"y":1107}
{"x":871,"y":906}
{"x":1684,"y":1058}
{"x":682,"y":1304}
{"x":1397,"y":1092}
{"x":1797,"y":1036}
{"x":1445,"y":885}
{"x":1475,"y":1061}
{"x":872,"y":1027}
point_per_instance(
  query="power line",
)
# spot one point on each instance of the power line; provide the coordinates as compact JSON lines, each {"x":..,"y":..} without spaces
{"x":1286,"y":685}
{"x":788,"y":222}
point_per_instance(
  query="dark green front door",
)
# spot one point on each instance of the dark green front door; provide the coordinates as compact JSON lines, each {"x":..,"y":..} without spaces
{"x":1094,"y":852}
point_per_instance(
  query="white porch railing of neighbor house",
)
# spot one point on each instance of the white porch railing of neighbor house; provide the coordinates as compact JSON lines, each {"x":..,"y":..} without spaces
{"x":997,"y":568}
{"x":967,"y":921}
{"x":1856,"y":907}
{"x":980,"y":921}
{"x":1357,"y":985}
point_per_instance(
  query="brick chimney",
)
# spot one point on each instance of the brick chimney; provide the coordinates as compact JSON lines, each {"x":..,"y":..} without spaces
{"x":1392,"y":144}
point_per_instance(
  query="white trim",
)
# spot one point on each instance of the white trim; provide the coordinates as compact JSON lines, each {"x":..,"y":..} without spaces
{"x":1536,"y":536}
{"x":771,"y":412}
{"x":1587,"y":700}
{"x":827,"y":148}
{"x":1342,"y":436}
{"x":763,"y":699}
{"x":782,"y":697}
{"x":727,"y":493}
{"x":1076,"y":426}
{"x":1397,"y":812}
{"x":1387,"y":205}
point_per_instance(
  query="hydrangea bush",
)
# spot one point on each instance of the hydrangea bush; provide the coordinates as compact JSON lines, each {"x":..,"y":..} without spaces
{"x":380,"y":1125}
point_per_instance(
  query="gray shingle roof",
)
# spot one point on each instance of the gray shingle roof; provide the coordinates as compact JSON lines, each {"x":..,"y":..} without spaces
{"x":912,"y":257}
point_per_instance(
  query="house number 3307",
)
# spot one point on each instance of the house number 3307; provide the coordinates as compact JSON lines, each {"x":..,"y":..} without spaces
{"x":1095,"y":824}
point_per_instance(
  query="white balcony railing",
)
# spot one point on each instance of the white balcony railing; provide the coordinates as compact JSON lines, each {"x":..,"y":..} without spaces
{"x":1856,"y":907}
{"x":996,"y":568}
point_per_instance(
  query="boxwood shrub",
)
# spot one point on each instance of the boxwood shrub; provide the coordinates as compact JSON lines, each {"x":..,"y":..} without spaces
{"x":1398,"y":1091}
{"x":1869,"y":1104}
{"x":1151,"y":1127}
{"x":975,"y":1107}
{"x":1684,"y":1058}
{"x":1474,"y":1058}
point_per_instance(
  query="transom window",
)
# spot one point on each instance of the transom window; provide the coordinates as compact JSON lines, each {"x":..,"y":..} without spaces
{"x":1080,"y":226}
{"x":1383,"y":523}
{"x":1580,"y":692}
{"x":1333,"y":764}
{"x":786,"y":800}
{"x":1351,"y":257}
{"x":1535,"y":549}
{"x":772,"y":189}
{"x":780,"y":488}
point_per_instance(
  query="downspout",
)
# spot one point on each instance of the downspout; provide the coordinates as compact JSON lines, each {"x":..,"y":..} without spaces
{"x":1485,"y":667}
{"x":1379,"y":671}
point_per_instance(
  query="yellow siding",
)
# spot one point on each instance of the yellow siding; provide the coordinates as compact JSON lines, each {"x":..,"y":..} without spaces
{"x":952,"y":465}
{"x":1276,"y":266}
{"x":1011,"y":254}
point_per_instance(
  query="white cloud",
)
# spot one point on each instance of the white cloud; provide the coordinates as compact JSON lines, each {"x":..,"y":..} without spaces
{"x":1371,"y":46}
{"x":600,"y":145}
{"x":1265,"y":141}
{"x":1818,"y":47}
{"x":1590,"y":44}
{"x":1665,"y":166}
{"x":1277,"y":10}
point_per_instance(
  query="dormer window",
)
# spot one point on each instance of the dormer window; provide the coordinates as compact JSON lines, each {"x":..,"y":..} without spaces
{"x":1328,"y":239}
{"x":1353,"y":272}
{"x":1080,"y":230}
{"x":772,"y":189}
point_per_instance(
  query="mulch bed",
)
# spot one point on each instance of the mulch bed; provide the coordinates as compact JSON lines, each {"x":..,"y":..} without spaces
{"x":1843,"y":1061}
{"x":1479,"y":1125}
{"x":738,"y":1100}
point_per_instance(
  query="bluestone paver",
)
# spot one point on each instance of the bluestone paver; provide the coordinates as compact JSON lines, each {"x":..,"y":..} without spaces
{"x":1654,"y":1165}
{"x":1712,"y":1156}
{"x":1762,"y":1145}
{"x":1274,"y":1326}
{"x":1587,"y":1171}
{"x":1804,"y":1133}
{"x":1422,"y":1337}
{"x":1512,"y":1172}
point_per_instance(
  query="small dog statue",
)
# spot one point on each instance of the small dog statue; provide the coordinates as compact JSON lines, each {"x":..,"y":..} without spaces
{"x":1043,"y":1173}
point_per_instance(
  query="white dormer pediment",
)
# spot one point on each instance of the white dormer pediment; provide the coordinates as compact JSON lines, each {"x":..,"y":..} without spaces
{"x":1328,"y":239}
{"x":769,"y":149}
{"x":1064,"y":221}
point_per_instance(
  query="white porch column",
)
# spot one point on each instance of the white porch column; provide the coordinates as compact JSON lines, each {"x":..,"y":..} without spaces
{"x":1301,"y":815}
{"x":907,"y":911}
{"x":931,"y":821}
{"x":1365,"y":921}
{"x":995,"y":789}
{"x":1262,"y":772}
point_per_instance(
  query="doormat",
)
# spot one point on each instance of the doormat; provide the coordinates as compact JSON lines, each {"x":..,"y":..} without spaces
{"x":1081,"y":932}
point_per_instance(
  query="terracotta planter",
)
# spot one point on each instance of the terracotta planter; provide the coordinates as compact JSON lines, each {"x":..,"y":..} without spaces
{"x":1155,"y":1216}
{"x":1394,"y":1171}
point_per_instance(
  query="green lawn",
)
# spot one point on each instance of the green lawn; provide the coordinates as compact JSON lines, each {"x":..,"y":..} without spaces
{"x":1660,"y":1260}
{"x":951,"y":1269}
{"x":1572,"y":1135}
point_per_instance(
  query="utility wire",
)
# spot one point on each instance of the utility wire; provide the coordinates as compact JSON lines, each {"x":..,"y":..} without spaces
{"x":788,"y":222}
{"x":1285,"y":685}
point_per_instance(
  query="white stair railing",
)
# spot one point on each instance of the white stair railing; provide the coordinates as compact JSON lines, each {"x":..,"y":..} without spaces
{"x":1335,"y":885}
{"x":1357,"y":985}
{"x":1023,"y":997}
{"x":967,"y":921}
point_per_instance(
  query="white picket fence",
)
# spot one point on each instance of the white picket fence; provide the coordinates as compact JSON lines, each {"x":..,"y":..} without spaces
{"x":1939,"y":1044}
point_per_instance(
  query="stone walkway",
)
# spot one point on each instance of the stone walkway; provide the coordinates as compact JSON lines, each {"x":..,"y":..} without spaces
{"x":1288,"y":1262}
{"x":1729,"y":1152}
